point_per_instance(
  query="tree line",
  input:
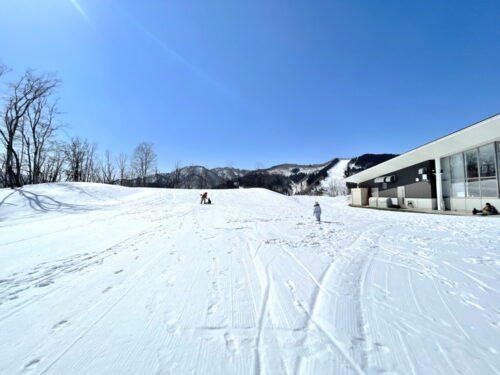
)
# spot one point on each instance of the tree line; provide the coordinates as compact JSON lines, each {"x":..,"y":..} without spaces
{"x":32,"y":149}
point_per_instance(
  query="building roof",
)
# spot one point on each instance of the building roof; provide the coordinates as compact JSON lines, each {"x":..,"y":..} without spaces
{"x":477,"y":134}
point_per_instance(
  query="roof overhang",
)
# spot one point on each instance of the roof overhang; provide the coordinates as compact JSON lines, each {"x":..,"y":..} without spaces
{"x":480,"y":133}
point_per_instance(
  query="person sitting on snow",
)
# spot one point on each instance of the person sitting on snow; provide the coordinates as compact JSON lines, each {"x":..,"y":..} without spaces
{"x":317,"y":212}
{"x":487,"y":210}
{"x":204,"y":197}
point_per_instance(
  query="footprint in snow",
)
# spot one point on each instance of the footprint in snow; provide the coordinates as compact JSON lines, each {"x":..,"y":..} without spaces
{"x":107,"y":289}
{"x":31,"y":364}
{"x":231,"y":343}
{"x":44,"y":284}
{"x":61,"y":323}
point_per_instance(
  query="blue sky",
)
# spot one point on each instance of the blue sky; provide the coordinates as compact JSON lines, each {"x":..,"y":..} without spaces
{"x":241,"y":82}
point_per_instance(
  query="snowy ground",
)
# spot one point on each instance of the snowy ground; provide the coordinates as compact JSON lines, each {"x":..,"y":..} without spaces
{"x":107,"y":280}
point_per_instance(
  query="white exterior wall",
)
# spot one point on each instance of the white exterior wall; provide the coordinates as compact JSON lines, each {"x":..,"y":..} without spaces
{"x":359,"y":196}
{"x":421,"y":203}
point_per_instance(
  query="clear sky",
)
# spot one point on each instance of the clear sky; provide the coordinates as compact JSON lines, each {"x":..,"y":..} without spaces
{"x":270,"y":81}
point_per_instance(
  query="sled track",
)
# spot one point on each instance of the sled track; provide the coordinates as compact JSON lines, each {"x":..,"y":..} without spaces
{"x":104,"y":314}
{"x":88,"y":261}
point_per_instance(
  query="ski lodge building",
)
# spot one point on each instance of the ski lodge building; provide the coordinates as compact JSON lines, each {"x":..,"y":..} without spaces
{"x":460,"y":171}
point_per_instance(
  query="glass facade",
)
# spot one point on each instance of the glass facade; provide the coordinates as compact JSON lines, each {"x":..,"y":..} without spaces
{"x":473,"y":173}
{"x":446,"y":177}
{"x":487,"y":156}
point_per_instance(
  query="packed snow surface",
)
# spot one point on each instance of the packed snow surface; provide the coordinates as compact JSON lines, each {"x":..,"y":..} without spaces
{"x":99,"y":279}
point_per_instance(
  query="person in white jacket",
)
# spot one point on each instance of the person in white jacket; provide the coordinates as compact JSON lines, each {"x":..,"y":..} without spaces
{"x":317,"y":212}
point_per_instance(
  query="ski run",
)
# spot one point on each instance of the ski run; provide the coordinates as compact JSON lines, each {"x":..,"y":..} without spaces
{"x":100,"y":279}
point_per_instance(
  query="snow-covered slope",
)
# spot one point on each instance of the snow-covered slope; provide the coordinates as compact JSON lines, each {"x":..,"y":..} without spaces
{"x":293,"y":179}
{"x":107,"y":280}
{"x":334,"y":184}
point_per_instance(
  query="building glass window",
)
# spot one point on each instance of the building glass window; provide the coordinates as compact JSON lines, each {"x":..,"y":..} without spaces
{"x":474,"y":173}
{"x":458,"y":188}
{"x":487,"y":161}
{"x":457,"y":167}
{"x":445,"y":167}
{"x":471,"y":164}
{"x":489,"y":188}
{"x":498,"y":165}
{"x":473,"y":188}
{"x":446,"y":177}
{"x":498,"y":155}
{"x":446,"y":188}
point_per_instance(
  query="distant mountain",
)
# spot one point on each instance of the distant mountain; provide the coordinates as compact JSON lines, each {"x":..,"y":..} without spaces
{"x":290,"y":179}
{"x":192,"y":177}
{"x":366,"y":161}
{"x":287,"y":179}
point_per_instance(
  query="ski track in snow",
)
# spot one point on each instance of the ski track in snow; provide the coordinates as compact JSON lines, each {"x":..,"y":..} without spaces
{"x":99,"y":279}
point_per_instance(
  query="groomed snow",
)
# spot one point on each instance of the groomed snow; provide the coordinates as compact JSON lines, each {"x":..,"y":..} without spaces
{"x":99,"y":279}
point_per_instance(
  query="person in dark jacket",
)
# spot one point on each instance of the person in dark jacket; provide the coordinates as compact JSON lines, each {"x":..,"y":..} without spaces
{"x":203,"y":198}
{"x":487,"y":210}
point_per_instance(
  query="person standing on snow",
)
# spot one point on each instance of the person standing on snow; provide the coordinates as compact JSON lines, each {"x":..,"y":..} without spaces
{"x":317,"y":212}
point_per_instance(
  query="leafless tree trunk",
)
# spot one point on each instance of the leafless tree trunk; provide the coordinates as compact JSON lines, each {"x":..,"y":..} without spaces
{"x":80,"y":157}
{"x":37,"y":131}
{"x":23,"y":95}
{"x":176,"y":176}
{"x":143,"y":161}
{"x":91,"y":165}
{"x":53,"y":165}
{"x":121,"y":161}
{"x":108,"y":169}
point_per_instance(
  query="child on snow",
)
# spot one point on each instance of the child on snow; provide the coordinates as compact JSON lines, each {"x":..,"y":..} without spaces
{"x":317,"y":212}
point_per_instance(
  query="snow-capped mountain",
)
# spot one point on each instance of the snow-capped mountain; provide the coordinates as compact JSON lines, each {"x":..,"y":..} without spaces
{"x":317,"y":179}
{"x":291,"y":179}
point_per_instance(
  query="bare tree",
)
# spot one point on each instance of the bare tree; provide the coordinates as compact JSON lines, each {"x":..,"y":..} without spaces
{"x":91,"y":165}
{"x":38,"y":128}
{"x":53,"y":167}
{"x":81,"y":161}
{"x":75,"y":152}
{"x":108,"y":169}
{"x":176,"y":176}
{"x":143,"y":161}
{"x":336,"y":188}
{"x":121,"y":162}
{"x":24,"y":93}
